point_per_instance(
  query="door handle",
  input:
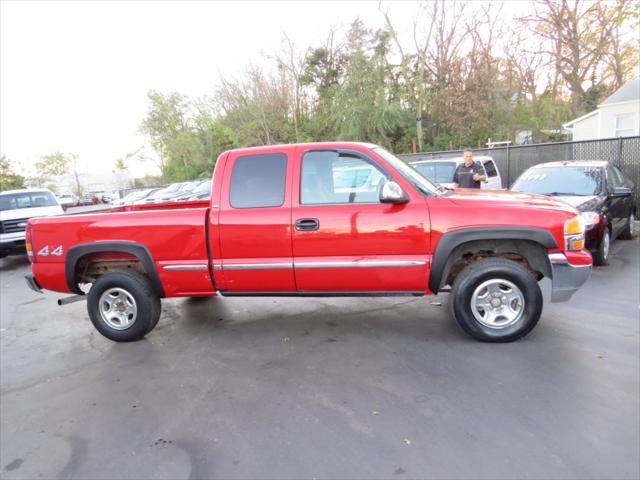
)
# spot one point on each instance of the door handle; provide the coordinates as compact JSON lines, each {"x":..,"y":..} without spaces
{"x":307,"y":224}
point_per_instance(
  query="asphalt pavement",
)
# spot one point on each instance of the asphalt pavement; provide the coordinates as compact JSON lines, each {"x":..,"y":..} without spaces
{"x":322,"y":388}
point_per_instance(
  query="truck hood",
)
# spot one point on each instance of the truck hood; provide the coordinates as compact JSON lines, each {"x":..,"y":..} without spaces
{"x":502,"y":199}
{"x":30,"y":212}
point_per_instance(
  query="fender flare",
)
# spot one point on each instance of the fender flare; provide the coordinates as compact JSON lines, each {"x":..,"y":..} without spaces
{"x":137,"y":250}
{"x":454,"y":238}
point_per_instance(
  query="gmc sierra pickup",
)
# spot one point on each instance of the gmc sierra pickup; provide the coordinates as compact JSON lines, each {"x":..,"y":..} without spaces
{"x":319,"y":219}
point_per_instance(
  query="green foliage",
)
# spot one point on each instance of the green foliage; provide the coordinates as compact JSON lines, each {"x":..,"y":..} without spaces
{"x":445,"y":91}
{"x":9,"y":179}
{"x":443,"y":141}
{"x":186,"y":135}
{"x":147,"y":181}
{"x":53,"y":165}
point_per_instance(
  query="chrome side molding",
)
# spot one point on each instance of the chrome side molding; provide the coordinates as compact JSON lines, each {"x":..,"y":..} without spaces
{"x":186,"y":267}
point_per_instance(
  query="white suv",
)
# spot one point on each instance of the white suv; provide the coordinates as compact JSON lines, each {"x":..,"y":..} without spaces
{"x":441,"y":170}
{"x":18,"y":206}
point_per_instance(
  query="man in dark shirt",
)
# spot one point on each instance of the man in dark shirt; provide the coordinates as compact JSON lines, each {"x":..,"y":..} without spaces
{"x":468,"y":174}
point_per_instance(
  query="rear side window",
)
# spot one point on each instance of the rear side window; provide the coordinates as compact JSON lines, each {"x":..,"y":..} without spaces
{"x":490,"y":168}
{"x":258,"y":181}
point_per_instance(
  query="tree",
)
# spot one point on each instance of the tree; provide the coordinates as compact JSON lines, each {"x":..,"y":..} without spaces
{"x":292,"y":64}
{"x":621,"y":58}
{"x":73,"y":160}
{"x":414,"y":69}
{"x":578,"y":36}
{"x":53,"y":165}
{"x":120,"y":165}
{"x":462,"y":74}
{"x":9,"y":179}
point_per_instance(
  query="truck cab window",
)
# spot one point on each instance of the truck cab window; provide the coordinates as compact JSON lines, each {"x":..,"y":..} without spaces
{"x":258,"y":181}
{"x":330,"y":178}
{"x":490,"y":168}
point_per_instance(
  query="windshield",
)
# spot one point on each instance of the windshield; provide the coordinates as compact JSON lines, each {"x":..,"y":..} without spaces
{"x":410,"y":174}
{"x":15,"y":201}
{"x":565,"y":180}
{"x":438,"y":172}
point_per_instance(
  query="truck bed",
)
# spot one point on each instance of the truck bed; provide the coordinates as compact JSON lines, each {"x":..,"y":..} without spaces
{"x":174,"y":234}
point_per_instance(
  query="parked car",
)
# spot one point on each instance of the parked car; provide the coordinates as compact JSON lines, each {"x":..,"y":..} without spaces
{"x":16,"y":208}
{"x":164,"y":194}
{"x":109,"y":197}
{"x":596,"y":188}
{"x":272,"y":229}
{"x":201,"y":192}
{"x":140,"y":196}
{"x":67,"y":200}
{"x":88,"y":199}
{"x":129,"y":197}
{"x":441,"y":170}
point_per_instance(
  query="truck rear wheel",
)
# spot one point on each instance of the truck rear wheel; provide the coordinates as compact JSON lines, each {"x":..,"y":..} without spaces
{"x":123,"y":306}
{"x":496,"y":300}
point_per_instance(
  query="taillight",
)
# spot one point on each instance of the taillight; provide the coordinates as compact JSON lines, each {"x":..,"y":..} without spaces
{"x":28,"y":243}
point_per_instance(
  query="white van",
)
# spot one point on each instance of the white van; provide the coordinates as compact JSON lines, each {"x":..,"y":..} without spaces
{"x":441,"y":170}
{"x":18,"y":206}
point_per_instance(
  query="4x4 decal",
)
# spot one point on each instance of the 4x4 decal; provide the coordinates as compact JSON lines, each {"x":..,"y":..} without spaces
{"x":57,"y":251}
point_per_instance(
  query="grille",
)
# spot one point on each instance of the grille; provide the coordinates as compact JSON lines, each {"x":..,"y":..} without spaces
{"x":13,"y":226}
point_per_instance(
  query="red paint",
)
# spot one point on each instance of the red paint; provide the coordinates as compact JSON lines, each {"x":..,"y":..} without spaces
{"x":176,"y":234}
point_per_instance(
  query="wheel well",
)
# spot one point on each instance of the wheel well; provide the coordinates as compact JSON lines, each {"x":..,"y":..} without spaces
{"x":86,"y":262}
{"x":91,"y":266}
{"x":531,"y":255}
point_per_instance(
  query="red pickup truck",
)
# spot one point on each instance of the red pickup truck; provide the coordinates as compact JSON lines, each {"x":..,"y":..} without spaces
{"x":318,"y":219}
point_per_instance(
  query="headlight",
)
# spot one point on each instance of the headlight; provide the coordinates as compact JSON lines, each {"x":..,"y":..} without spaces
{"x":591,"y":219}
{"x":574,"y":233}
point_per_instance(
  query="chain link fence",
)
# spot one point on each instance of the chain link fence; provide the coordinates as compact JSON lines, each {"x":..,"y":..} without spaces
{"x":513,"y":160}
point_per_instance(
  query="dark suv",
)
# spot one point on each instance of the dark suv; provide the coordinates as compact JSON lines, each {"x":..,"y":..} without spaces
{"x":596,"y":188}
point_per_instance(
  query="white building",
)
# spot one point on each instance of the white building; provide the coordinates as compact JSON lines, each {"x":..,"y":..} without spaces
{"x":617,"y":116}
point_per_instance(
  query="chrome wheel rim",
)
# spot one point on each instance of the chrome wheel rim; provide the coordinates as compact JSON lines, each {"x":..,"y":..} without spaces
{"x":606,"y":242}
{"x":118,"y":308}
{"x":497,"y":303}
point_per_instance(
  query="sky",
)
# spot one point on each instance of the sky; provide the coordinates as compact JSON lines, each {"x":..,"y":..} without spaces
{"x":74,"y":75}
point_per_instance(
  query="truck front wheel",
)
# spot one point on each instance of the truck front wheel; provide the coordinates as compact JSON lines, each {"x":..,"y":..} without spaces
{"x":123,"y":306}
{"x":496,"y":300}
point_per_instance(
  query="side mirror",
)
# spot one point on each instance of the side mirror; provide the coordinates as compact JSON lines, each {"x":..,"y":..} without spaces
{"x":621,"y":191}
{"x":392,"y":193}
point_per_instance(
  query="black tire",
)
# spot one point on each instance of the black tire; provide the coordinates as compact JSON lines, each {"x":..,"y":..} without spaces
{"x":3,"y":254}
{"x":627,"y":232}
{"x":499,"y":270}
{"x":147,"y":305}
{"x":601,"y":255}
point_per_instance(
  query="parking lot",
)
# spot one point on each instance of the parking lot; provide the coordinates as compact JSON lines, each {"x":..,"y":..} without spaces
{"x":322,"y":388}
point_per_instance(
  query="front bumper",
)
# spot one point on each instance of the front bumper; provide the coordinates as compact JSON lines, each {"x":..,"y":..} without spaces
{"x":12,"y":243}
{"x":566,"y":278}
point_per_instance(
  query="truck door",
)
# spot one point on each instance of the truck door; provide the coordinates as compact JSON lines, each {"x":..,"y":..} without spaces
{"x":254,"y":224}
{"x":344,"y":239}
